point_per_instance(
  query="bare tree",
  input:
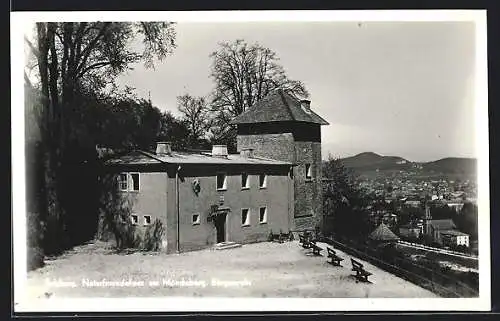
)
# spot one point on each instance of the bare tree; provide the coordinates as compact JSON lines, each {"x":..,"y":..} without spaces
{"x":244,"y":74}
{"x":195,"y":113}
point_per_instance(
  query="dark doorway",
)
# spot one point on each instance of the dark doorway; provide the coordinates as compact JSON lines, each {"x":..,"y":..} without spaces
{"x":220,"y":225}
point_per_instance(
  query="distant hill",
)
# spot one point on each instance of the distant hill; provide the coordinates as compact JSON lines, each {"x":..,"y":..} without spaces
{"x":369,"y":163}
{"x":452,"y":165}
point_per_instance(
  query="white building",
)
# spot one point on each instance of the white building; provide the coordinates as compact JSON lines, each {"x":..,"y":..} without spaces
{"x":454,"y":238}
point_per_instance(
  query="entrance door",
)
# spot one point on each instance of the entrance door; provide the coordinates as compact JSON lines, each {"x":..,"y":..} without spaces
{"x":220,"y":225}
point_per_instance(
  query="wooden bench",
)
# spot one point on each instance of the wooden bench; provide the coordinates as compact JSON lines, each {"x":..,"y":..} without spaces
{"x":316,"y":249}
{"x":361,"y":273}
{"x":306,"y":241}
{"x":335,"y":260}
{"x":306,"y":244}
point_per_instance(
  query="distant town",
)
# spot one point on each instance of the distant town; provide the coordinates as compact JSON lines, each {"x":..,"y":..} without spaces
{"x":429,"y":203}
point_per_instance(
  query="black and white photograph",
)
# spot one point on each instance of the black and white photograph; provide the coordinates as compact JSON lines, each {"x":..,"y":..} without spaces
{"x":250,"y":161}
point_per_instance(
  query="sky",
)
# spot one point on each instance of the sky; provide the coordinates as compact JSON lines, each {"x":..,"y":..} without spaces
{"x":394,"y":88}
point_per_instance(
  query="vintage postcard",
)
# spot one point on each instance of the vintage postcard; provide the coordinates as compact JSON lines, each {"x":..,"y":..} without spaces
{"x":250,"y":161}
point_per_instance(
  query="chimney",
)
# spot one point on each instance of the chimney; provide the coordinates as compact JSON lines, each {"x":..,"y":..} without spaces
{"x":219,"y":151}
{"x":246,"y":152}
{"x":306,"y":104}
{"x":163,"y":148}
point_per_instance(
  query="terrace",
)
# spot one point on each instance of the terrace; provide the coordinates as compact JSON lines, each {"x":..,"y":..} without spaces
{"x":254,"y":270}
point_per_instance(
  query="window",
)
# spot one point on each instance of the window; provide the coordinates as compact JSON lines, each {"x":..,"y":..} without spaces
{"x":135,"y":219}
{"x":196,"y":219}
{"x":147,"y":220}
{"x":135,"y":181}
{"x":125,"y":178}
{"x":262,"y":180}
{"x":263,"y":215}
{"x":245,"y":181}
{"x":221,"y":181}
{"x":308,"y":171}
{"x":245,"y":217}
{"x":122,"y":182}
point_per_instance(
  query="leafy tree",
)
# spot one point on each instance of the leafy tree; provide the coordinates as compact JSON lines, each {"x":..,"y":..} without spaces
{"x":122,"y":122}
{"x":243,"y":74}
{"x":343,"y":202}
{"x":442,"y":211}
{"x":174,"y":130}
{"x":409,"y":215}
{"x":467,"y":220}
{"x":195,"y":113}
{"x":75,"y":60}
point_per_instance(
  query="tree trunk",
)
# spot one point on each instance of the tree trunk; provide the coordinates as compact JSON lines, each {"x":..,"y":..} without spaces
{"x":55,"y":239}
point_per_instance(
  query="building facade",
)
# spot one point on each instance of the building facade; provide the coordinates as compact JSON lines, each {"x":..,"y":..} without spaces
{"x":203,"y":199}
{"x":273,"y":183}
{"x":453,"y":238}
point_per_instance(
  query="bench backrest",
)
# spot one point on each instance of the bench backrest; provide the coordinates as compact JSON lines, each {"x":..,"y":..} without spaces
{"x":356,"y":264}
{"x":330,"y":251}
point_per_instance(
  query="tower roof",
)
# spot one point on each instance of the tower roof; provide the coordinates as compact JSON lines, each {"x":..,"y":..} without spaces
{"x":383,"y":233}
{"x":278,"y":106}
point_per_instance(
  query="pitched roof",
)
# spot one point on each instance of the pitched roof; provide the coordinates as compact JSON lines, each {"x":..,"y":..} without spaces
{"x":444,"y":224}
{"x":409,"y":226}
{"x":454,"y":233}
{"x":383,"y":233}
{"x":144,"y":158}
{"x":132,"y":158}
{"x":278,"y":106}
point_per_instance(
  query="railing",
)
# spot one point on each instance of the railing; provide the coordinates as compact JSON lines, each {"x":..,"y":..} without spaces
{"x":471,"y":256}
{"x":425,"y":277}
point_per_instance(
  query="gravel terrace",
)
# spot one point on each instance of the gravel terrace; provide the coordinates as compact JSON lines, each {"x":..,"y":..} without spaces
{"x":253,"y":270}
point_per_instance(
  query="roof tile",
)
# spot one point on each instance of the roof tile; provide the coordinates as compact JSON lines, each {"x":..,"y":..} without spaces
{"x":278,"y":106}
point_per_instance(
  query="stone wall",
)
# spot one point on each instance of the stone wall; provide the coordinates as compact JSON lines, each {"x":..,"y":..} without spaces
{"x":308,"y":202}
{"x":275,"y":146}
{"x":308,"y":192}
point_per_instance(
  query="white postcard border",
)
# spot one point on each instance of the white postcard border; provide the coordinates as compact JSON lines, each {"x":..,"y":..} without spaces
{"x":19,"y":23}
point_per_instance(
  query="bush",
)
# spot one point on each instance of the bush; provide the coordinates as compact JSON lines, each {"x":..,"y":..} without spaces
{"x":35,"y":258}
{"x":35,"y":230}
{"x":115,"y":212}
{"x":153,"y":236}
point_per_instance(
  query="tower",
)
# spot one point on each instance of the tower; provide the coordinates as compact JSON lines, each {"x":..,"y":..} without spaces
{"x":427,"y":218}
{"x":283,"y":128}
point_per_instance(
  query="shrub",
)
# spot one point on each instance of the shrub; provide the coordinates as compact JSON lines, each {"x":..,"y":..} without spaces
{"x":35,"y":230}
{"x":35,"y":258}
{"x":115,"y":212}
{"x":153,"y":236}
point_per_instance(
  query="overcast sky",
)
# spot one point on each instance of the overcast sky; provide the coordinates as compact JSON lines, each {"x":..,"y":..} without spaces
{"x":402,"y":88}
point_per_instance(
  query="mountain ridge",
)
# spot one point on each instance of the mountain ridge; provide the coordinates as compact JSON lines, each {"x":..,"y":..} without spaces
{"x":416,"y":162}
{"x":371,"y":162}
